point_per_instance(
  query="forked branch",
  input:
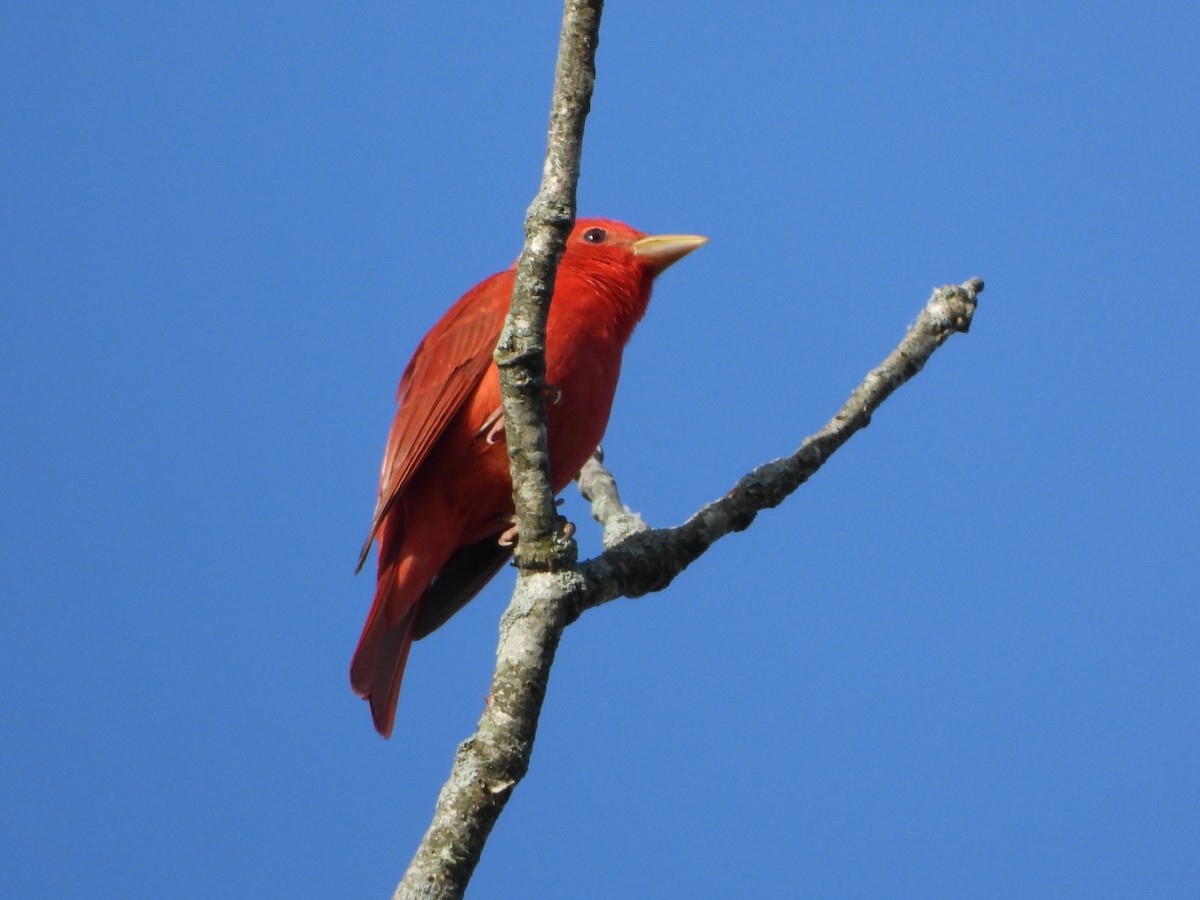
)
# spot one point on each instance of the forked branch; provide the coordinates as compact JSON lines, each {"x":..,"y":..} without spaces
{"x":491,"y":762}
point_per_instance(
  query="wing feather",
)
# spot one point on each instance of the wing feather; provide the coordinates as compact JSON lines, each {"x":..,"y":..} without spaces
{"x":444,"y":370}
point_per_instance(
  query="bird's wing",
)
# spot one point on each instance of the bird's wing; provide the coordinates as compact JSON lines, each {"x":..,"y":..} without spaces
{"x":447,"y":366}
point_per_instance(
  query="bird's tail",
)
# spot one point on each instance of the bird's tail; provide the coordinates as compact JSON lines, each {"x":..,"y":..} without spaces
{"x":378,"y":664}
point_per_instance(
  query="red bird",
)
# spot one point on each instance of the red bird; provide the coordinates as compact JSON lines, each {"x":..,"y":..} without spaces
{"x":444,"y":516}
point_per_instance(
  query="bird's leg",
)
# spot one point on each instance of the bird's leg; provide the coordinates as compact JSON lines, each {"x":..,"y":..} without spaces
{"x":493,"y":426}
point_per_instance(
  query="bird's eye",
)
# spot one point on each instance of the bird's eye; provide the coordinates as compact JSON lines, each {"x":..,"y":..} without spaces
{"x":595,"y":236}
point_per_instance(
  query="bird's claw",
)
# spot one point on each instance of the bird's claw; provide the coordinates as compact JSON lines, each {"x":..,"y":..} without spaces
{"x":492,"y":428}
{"x":512,"y":530}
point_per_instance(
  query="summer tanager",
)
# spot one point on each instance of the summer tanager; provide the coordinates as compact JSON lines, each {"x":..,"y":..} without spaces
{"x":444,"y":517}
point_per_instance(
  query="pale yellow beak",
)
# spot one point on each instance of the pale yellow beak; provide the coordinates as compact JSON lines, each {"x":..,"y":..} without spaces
{"x":665,"y":249}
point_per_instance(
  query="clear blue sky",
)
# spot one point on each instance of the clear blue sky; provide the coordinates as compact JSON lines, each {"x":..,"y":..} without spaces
{"x":961,"y":662}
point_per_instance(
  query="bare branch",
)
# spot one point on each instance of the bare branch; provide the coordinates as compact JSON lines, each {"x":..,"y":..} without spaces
{"x":600,"y":489}
{"x":490,"y":763}
{"x":649,"y":561}
{"x":521,"y":352}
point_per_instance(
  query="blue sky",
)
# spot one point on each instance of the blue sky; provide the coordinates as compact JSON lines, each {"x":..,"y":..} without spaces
{"x":961,"y":662}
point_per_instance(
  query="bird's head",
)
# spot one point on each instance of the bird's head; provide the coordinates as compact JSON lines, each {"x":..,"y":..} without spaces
{"x":612,"y":255}
{"x":606,"y":242}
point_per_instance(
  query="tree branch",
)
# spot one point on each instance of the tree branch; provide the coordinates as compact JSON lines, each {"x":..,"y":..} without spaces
{"x":521,"y":352}
{"x":600,"y":489}
{"x":650,"y":560}
{"x":489,"y":764}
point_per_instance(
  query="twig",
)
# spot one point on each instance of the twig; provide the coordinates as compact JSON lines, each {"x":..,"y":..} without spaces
{"x":600,"y":489}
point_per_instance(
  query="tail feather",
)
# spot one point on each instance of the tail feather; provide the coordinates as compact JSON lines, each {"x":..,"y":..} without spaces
{"x":413,"y":598}
{"x":378,"y":664}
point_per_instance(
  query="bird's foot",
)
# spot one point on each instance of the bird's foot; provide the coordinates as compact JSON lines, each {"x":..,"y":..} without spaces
{"x":512,"y":533}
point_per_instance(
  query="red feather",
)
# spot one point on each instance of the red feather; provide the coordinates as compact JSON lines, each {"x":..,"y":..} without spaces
{"x":445,"y":494}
